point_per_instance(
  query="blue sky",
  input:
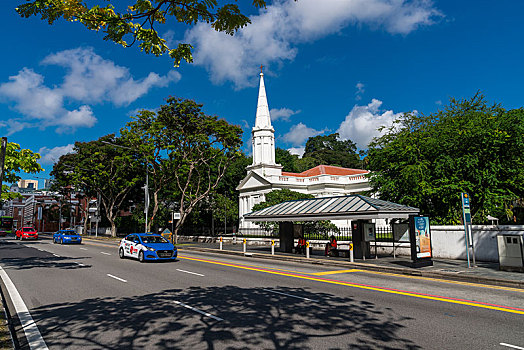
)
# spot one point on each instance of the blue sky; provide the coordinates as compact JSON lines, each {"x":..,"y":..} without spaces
{"x":347,"y":66}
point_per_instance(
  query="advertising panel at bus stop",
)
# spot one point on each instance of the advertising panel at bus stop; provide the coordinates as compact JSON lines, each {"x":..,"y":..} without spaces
{"x":420,"y":238}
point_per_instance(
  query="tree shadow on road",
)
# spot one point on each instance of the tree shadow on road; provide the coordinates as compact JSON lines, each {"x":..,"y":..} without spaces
{"x":15,"y":256}
{"x":252,"y":318}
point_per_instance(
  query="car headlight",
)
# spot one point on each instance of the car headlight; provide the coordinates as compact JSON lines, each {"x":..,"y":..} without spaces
{"x":151,"y":249}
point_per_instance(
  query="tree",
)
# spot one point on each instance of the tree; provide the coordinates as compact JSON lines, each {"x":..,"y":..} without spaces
{"x":279,"y":196}
{"x":287,"y":160}
{"x":138,"y":23}
{"x":17,"y":160}
{"x":330,"y":150}
{"x":469,"y":146}
{"x":98,"y":168}
{"x":187,"y":151}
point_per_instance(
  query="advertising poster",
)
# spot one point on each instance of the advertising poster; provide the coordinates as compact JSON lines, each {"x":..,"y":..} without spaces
{"x":423,"y":237}
{"x":369,"y":232}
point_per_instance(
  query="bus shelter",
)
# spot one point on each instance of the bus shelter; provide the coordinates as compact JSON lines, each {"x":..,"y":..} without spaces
{"x":361,"y":210}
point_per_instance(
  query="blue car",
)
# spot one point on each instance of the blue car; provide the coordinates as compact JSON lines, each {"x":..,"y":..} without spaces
{"x":146,"y":246}
{"x":66,"y":236}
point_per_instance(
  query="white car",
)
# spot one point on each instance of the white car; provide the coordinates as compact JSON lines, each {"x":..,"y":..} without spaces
{"x":146,"y":246}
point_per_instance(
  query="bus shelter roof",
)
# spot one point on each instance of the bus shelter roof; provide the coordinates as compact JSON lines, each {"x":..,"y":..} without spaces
{"x":350,"y":207}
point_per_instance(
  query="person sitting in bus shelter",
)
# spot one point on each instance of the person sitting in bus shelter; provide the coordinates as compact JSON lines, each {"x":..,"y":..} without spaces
{"x":332,"y":244}
{"x":301,"y":246}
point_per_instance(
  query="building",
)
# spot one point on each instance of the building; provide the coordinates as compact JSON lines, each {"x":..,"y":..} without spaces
{"x":265,"y":175}
{"x":29,"y":184}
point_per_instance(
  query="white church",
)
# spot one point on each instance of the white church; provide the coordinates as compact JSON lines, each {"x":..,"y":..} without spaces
{"x":265,"y":175}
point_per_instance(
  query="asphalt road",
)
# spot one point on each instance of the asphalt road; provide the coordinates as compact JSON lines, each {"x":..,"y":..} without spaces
{"x":84,"y":296}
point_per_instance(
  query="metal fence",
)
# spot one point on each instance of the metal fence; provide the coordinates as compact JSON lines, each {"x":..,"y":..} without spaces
{"x":382,"y":234}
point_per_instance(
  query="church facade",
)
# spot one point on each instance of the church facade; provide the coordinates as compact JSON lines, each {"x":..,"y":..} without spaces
{"x":265,"y":175}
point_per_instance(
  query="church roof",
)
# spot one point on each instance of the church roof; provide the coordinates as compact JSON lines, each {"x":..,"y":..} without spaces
{"x":326,"y":170}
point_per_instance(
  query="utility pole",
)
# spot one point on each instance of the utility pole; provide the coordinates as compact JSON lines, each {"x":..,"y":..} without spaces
{"x":2,"y":161}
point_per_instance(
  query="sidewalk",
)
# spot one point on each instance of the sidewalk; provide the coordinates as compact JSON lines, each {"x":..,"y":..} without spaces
{"x":456,"y":270}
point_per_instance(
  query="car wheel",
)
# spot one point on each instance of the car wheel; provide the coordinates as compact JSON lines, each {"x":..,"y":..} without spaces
{"x":54,"y":240}
{"x":141,"y":257}
{"x":121,"y":253}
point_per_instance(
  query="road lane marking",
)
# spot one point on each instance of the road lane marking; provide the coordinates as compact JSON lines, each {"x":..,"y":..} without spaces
{"x":512,"y":346}
{"x":332,"y":272}
{"x":193,"y":273}
{"x":290,"y":295}
{"x":80,"y":264}
{"x":56,"y":255}
{"x":197,"y":310}
{"x":444,"y":281}
{"x":34,"y":338}
{"x":451,"y":300}
{"x":83,"y":248}
{"x":105,"y":253}
{"x":117,"y":278}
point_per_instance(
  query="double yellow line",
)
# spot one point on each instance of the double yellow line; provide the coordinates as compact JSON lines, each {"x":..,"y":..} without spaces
{"x":367,"y":287}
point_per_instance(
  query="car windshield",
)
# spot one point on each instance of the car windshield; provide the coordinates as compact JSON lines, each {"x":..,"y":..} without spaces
{"x":68,"y":233}
{"x":153,"y":239}
{"x":28,"y":229}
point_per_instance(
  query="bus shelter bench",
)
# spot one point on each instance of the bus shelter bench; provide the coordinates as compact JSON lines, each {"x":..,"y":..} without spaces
{"x":342,"y":250}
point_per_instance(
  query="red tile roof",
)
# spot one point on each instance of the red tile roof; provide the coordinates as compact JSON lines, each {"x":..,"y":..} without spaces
{"x":326,"y":170}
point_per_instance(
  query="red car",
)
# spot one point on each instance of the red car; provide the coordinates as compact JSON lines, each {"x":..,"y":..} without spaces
{"x":26,"y":233}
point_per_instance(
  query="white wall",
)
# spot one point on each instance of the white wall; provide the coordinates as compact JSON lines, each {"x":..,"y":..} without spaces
{"x":448,"y":242}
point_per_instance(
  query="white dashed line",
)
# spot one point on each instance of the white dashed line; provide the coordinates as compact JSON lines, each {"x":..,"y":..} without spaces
{"x":289,"y":295}
{"x":80,"y":264}
{"x":512,"y":346}
{"x":83,"y":248}
{"x":199,"y":311}
{"x":34,"y":338}
{"x":193,"y":273}
{"x":56,"y":255}
{"x":117,"y":278}
{"x":105,"y":253}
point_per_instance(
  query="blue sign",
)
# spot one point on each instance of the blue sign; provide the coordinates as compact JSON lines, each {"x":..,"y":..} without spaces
{"x":420,"y":223}
{"x":465,"y":200}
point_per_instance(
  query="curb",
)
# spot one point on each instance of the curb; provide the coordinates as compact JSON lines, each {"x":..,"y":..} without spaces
{"x":363,"y":266}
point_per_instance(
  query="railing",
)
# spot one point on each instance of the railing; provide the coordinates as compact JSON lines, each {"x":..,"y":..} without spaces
{"x":382,"y":234}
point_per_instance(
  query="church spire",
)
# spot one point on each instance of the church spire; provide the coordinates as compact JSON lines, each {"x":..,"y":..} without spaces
{"x":263,"y":119}
{"x":263,"y":133}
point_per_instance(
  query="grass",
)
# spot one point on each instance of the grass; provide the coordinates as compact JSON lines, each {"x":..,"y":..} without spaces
{"x":5,"y":337}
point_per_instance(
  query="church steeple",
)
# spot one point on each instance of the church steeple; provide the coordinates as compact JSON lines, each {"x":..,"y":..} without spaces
{"x":263,"y":119}
{"x":263,"y":133}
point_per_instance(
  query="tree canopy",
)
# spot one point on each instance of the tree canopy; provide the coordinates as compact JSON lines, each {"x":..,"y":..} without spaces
{"x":330,"y":150}
{"x":321,"y":150}
{"x":99,"y":168}
{"x":139,"y":21}
{"x":469,"y":146}
{"x":283,"y":195}
{"x":187,"y":151}
{"x":18,"y":160}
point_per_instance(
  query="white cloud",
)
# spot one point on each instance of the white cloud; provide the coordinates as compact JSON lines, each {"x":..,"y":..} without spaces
{"x":282,"y":113}
{"x":89,"y":79}
{"x":299,"y":151}
{"x":94,"y":79}
{"x":275,"y":32}
{"x":362,"y":122}
{"x":81,"y":117}
{"x":299,"y":133}
{"x":31,"y":96}
{"x":360,"y":91}
{"x":51,"y":155}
